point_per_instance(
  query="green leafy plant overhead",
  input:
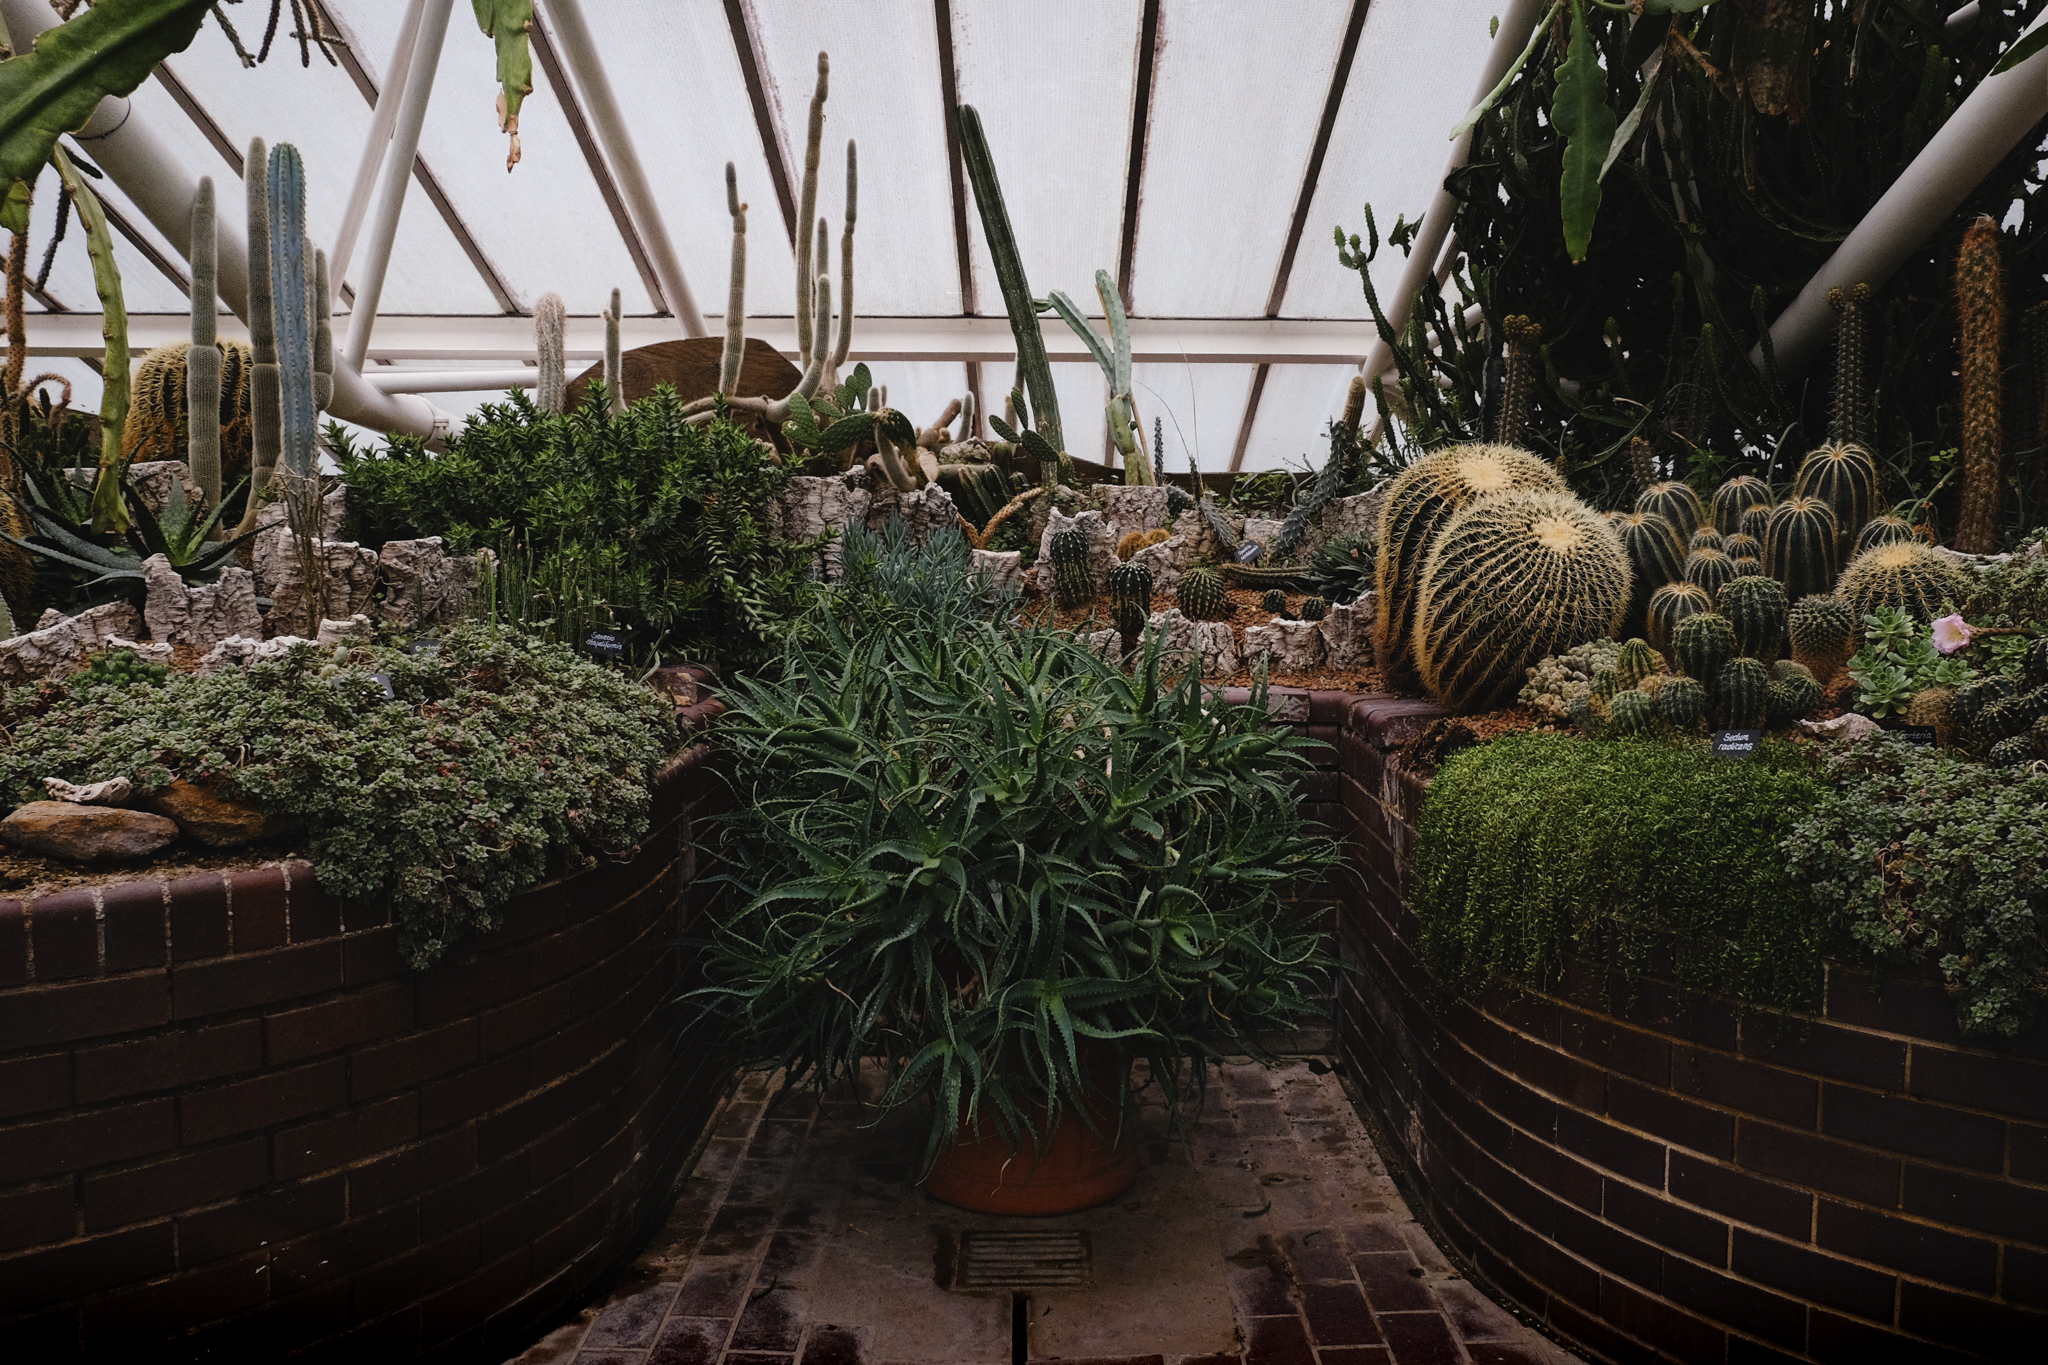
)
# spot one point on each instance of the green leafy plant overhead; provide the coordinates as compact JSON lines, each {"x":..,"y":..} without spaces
{"x":1582,"y":114}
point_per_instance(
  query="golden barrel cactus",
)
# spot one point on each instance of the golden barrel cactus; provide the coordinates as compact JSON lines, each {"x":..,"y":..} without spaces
{"x":1917,"y":579}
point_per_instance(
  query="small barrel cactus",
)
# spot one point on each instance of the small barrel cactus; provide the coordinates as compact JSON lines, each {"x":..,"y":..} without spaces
{"x":1200,"y":594}
{"x":1706,"y":538}
{"x":1972,"y":698}
{"x":1756,"y":522}
{"x":1710,"y":570}
{"x":1740,"y":546}
{"x":1748,"y":566}
{"x":1681,"y":703}
{"x":1274,"y":602}
{"x":1628,"y":713}
{"x":1823,"y":631}
{"x":1735,"y":497}
{"x":1656,"y":552}
{"x":1314,"y":608}
{"x":1635,"y":662}
{"x":1703,"y":644}
{"x":1802,"y":546}
{"x":1606,"y":682}
{"x":2035,"y":663}
{"x":1934,"y":708}
{"x":1130,"y":601}
{"x":1888,"y":529}
{"x":1793,"y":693}
{"x":1073,"y":581}
{"x":1670,"y":605}
{"x":1742,"y":694}
{"x":1676,"y":503}
{"x":1755,"y":607}
{"x":2012,"y":752}
{"x":1907,"y":575}
{"x":1844,"y":476}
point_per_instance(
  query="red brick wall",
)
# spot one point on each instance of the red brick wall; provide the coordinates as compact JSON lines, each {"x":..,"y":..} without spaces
{"x":1677,"y":1180}
{"x":233,"y":1126}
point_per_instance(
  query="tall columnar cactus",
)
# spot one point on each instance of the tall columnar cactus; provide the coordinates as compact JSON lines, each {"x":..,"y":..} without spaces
{"x":1735,"y":497}
{"x":1200,"y":594}
{"x":1802,"y":546}
{"x":264,"y":392}
{"x":806,"y":212}
{"x":551,"y":385}
{"x":1642,"y":463}
{"x":1851,"y":415}
{"x":202,"y":360}
{"x":323,"y":334}
{"x":1914,"y":578}
{"x":1755,"y":607}
{"x":1420,"y":501}
{"x":1710,"y":570}
{"x":290,"y":281}
{"x":837,"y":355}
{"x":1843,"y":476}
{"x":1130,"y":602}
{"x":1670,"y":607}
{"x":1073,"y":580}
{"x":1512,"y":578}
{"x":1702,"y":644}
{"x":1009,"y":267}
{"x":1885,"y":530}
{"x":1115,"y":360}
{"x":1523,"y":336}
{"x":736,"y":289}
{"x":1824,"y":632}
{"x":1980,"y":306}
{"x":1742,"y":694}
{"x":614,"y":359}
{"x":1676,"y":503}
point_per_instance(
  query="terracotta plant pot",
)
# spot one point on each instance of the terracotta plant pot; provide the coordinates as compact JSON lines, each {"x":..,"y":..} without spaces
{"x":1078,"y":1171}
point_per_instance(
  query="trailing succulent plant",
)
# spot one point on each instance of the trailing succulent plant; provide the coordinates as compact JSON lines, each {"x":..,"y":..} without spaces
{"x":1802,"y":545}
{"x":1755,"y":608}
{"x":1844,"y":476}
{"x":1261,"y":578}
{"x":1073,"y":578}
{"x":1420,"y":502}
{"x":1200,"y":594}
{"x":1670,"y":606}
{"x":1823,"y":630}
{"x":1512,"y":577}
{"x":1915,"y":579}
{"x":1736,"y":497}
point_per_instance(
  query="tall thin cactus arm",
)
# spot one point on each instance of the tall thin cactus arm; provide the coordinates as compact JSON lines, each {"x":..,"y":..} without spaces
{"x":1124,"y":427}
{"x":299,"y":420}
{"x":934,"y":436}
{"x":1852,"y":385}
{"x":773,"y":411}
{"x":614,"y":359}
{"x":806,"y":211}
{"x":845,"y":342}
{"x":1009,"y":267}
{"x":1980,"y":306}
{"x":109,"y":508}
{"x":263,"y":374}
{"x":551,"y":385}
{"x":1354,"y":403}
{"x":323,"y":334}
{"x":736,"y":290}
{"x":967,"y":416}
{"x":202,"y":361}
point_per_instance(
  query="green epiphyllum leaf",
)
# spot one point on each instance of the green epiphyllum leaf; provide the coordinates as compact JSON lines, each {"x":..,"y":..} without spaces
{"x":1672,"y":6}
{"x":108,"y":50}
{"x":2021,"y":50}
{"x":1582,"y":114}
{"x":506,"y":21}
{"x":14,"y":209}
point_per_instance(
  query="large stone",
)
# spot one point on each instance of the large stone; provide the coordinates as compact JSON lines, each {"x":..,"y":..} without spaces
{"x":115,"y":791}
{"x":1005,"y":568}
{"x":1287,"y":646}
{"x":333,"y":507}
{"x":238,"y":651}
{"x":813,"y":504}
{"x":1847,"y":728}
{"x":1202,"y":545}
{"x":1357,"y":515}
{"x":1138,"y":508}
{"x":212,"y":819}
{"x":1347,"y":633}
{"x":923,"y":511}
{"x":1167,"y":560}
{"x":61,"y":648}
{"x":1216,"y":645}
{"x":87,"y":834}
{"x":1101,"y":534}
{"x":152,"y":481}
{"x":423,"y":586}
{"x":343,"y":581}
{"x":1263,"y":530}
{"x":357,"y":629}
{"x":202,"y":617}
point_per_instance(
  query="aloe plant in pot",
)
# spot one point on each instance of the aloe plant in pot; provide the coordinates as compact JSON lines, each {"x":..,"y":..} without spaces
{"x":984,"y":858}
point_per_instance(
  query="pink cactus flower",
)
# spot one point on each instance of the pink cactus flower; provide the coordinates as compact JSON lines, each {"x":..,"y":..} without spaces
{"x":1952,"y":633}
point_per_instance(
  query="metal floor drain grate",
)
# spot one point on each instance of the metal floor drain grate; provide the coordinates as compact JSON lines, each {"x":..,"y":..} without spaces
{"x":1022,"y":1260}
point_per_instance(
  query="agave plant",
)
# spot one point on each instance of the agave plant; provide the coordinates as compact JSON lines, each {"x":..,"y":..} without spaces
{"x":60,"y":511}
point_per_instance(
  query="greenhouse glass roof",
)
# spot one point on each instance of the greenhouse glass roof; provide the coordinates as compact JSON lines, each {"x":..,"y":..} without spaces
{"x":1200,"y":151}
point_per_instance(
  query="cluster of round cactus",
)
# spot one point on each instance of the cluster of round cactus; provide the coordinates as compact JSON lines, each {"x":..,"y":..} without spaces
{"x":2011,"y":718}
{"x":1556,"y":681}
{"x":1730,"y":655}
{"x":1134,"y":541}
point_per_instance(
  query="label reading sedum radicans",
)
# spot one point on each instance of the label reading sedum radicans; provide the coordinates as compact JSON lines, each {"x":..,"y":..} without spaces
{"x":1737,"y":746}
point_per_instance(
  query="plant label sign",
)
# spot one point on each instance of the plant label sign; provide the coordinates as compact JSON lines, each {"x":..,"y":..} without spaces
{"x":383,"y":680}
{"x":1737,"y":746}
{"x":604,"y":644}
{"x":1919,"y":736}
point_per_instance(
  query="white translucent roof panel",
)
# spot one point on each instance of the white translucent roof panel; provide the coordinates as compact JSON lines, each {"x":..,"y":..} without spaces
{"x":919,"y":389}
{"x":1418,"y":62}
{"x":1222,"y":174}
{"x":885,"y":95}
{"x":319,"y":110}
{"x":677,"y":77}
{"x":1201,"y":407}
{"x":1053,"y":82}
{"x":521,"y":220}
{"x":144,"y":288}
{"x":85,"y":382}
{"x":1296,"y":404}
{"x":1082,"y":391}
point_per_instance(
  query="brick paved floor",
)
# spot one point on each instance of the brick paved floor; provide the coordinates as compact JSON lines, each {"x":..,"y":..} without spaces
{"x":1271,"y":1237}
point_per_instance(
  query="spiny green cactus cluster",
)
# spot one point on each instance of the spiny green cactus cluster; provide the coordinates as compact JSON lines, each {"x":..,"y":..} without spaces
{"x":1702,"y":644}
{"x":1656,"y":556}
{"x":1721,"y":687}
{"x":1200,"y":594}
{"x":1073,"y":580}
{"x":1755,"y":608}
{"x":1756,"y":523}
{"x":1913,"y":578}
{"x":1739,"y":547}
{"x":1634,"y":662}
{"x":1823,"y":630}
{"x":1671,"y":605}
{"x":1736,"y":497}
{"x":1742,"y":694}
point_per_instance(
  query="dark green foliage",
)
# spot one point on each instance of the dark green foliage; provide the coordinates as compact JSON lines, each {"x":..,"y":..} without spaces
{"x":1274,"y":602}
{"x":1755,"y":607}
{"x":1314,"y":608}
{"x":117,"y":668}
{"x":1200,"y":594}
{"x":1537,"y":848}
{"x":503,"y":760}
{"x":1793,"y":693}
{"x":1344,"y":567}
{"x":1709,"y":570}
{"x":1707,"y":538}
{"x":1924,"y":857}
{"x":667,"y":525}
{"x":1676,"y":503}
{"x":1733,"y":499}
{"x":1885,"y":530}
{"x":961,"y":854}
{"x":2037,"y":738}
{"x":1073,"y":578}
{"x":1741,"y":694}
{"x":1681,"y":703}
{"x":1802,"y":546}
{"x":1701,"y":645}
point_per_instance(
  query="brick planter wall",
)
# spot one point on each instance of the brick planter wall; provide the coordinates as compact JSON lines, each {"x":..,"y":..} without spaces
{"x":1675,"y":1180}
{"x":233,"y":1126}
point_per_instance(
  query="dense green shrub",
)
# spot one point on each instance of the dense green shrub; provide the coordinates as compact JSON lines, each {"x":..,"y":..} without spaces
{"x":500,"y":761}
{"x":662,"y":528}
{"x":1921,"y":856}
{"x":966,"y":846}
{"x":1536,"y":847}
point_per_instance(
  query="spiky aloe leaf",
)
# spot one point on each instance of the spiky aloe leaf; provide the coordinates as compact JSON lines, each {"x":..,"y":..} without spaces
{"x":1582,"y":114}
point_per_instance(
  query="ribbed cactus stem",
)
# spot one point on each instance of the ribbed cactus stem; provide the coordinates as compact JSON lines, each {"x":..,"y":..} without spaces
{"x":736,"y":290}
{"x":1032,"y":365}
{"x":323,"y":334}
{"x":1124,"y":427}
{"x":893,"y":462}
{"x":298,"y":423}
{"x":109,"y":509}
{"x":1642,"y":465}
{"x":845,"y":341}
{"x":1980,"y":305}
{"x":264,"y":396}
{"x":551,"y":388}
{"x":967,"y":416}
{"x":614,"y":359}
{"x":1521,"y":334}
{"x":1852,"y":386}
{"x":202,"y":360}
{"x":806,"y":210}
{"x":1354,"y":403}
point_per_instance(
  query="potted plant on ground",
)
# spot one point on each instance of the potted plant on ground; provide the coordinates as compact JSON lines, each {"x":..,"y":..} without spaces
{"x":983,"y":856}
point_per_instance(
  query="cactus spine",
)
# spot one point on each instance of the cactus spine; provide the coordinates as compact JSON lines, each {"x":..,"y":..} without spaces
{"x":1670,"y":606}
{"x":1755,"y":608}
{"x":1130,"y":601}
{"x":1845,"y":478}
{"x":1032,"y":365}
{"x":1735,"y":497}
{"x":1200,"y":594}
{"x":1980,"y":303}
{"x":1742,"y":694}
{"x":1513,"y":577}
{"x":1676,"y":503}
{"x":1073,"y":582}
{"x":1802,"y":545}
{"x":1823,"y":629}
{"x":202,"y":360}
{"x":551,"y":385}
{"x":1912,"y":577}
{"x":1852,"y":387}
{"x":736,"y":289}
